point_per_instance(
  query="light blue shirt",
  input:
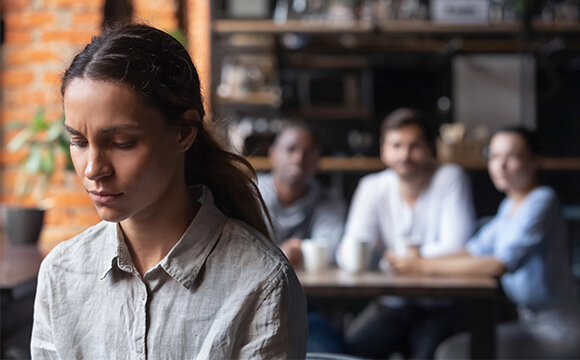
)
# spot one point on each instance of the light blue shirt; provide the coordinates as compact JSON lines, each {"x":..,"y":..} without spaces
{"x":532,"y":244}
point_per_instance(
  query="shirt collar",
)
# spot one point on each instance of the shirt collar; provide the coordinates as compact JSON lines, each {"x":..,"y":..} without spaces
{"x":188,"y":256}
{"x":114,"y":241}
{"x":185,"y":260}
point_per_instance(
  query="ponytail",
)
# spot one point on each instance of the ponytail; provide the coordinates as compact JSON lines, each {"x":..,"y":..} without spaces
{"x":230,"y":178}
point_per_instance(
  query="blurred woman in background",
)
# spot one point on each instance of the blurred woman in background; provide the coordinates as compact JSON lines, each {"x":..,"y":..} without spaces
{"x":526,"y":246}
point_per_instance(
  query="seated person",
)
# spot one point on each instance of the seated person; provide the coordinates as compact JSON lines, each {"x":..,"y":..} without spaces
{"x":300,"y":209}
{"x":526,"y":246}
{"x":413,"y":198}
{"x":298,"y":204}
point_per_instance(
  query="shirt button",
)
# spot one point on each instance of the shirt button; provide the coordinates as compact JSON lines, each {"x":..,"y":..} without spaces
{"x":143,"y":297}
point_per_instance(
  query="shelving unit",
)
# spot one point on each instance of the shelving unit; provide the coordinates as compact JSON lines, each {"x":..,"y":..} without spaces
{"x":367,"y":41}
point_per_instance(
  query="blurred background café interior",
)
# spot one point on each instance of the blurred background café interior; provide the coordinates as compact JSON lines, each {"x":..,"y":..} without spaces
{"x":470,"y":66}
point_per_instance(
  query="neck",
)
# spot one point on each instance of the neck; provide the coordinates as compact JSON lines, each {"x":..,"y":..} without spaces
{"x":411,"y":189}
{"x":289,"y":193}
{"x":519,"y":195}
{"x":151,"y":237}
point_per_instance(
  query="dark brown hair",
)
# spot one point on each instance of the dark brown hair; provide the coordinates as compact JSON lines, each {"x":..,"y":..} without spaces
{"x":157,"y":67}
{"x":402,"y":117}
{"x":530,"y":137}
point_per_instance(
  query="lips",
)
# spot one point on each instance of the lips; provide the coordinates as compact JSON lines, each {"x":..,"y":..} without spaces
{"x":104,"y":197}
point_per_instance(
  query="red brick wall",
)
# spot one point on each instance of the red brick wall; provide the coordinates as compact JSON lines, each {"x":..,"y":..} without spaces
{"x":158,"y":13}
{"x":41,"y":37}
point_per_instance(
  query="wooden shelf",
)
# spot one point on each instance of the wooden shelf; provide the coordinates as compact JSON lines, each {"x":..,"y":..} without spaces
{"x":419,"y":27}
{"x":370,"y":164}
{"x":269,"y":26}
{"x":560,"y":163}
{"x":540,"y":26}
{"x":427,"y":27}
{"x":323,"y":113}
{"x":395,"y":26}
{"x":329,"y":163}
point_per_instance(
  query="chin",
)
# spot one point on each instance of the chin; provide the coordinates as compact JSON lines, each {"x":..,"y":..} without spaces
{"x":111,"y":215}
{"x":408,"y":175}
{"x":294,"y":180}
{"x":501,"y":187}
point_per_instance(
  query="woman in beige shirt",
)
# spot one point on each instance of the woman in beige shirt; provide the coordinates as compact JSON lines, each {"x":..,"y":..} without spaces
{"x":180,"y":267}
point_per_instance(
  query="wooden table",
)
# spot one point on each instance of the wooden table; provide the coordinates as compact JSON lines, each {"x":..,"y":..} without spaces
{"x":480,"y":291}
{"x":18,"y":264}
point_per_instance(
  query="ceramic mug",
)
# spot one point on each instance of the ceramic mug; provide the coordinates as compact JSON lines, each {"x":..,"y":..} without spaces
{"x":355,"y":253}
{"x":403,"y":243}
{"x":315,"y":254}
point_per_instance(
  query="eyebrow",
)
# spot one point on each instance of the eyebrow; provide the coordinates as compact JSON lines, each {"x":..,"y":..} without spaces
{"x":106,"y":131}
{"x":71,"y":130}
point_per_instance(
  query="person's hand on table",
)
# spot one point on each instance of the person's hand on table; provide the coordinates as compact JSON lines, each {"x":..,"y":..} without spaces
{"x":411,"y":263}
{"x":292,"y":248}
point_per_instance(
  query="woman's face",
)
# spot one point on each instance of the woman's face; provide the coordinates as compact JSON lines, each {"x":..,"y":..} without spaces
{"x":511,"y":164}
{"x":123,"y":150}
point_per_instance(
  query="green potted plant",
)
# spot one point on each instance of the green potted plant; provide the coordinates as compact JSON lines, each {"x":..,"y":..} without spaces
{"x":42,"y":141}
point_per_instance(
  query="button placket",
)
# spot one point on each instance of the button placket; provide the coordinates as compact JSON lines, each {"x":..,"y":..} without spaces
{"x":141,"y":322}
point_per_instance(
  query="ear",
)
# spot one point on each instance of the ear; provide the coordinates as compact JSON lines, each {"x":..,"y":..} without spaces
{"x":190,"y":121}
{"x":383,"y":154}
{"x":271,"y":150}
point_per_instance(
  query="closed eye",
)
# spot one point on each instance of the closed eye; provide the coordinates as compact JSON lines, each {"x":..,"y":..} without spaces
{"x":78,"y":143}
{"x":125,"y":144}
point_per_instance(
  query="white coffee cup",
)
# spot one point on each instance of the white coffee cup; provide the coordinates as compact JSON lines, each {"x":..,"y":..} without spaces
{"x":355,"y":253}
{"x":403,"y":243}
{"x":315,"y":253}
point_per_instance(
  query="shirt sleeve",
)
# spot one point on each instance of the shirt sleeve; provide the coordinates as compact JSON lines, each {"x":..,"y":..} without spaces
{"x":527,"y":230}
{"x":482,"y":243}
{"x":278,"y":328}
{"x":328,"y":222}
{"x":363,"y":216}
{"x":456,"y":215}
{"x":42,"y":345}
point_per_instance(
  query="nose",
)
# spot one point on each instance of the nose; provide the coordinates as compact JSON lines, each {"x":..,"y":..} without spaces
{"x":406,"y":152}
{"x":298,"y":157}
{"x":503,"y":163}
{"x":98,"y":165}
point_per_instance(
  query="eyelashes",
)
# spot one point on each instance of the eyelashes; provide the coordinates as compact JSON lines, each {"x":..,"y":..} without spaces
{"x":125,"y":145}
{"x":79,"y":144}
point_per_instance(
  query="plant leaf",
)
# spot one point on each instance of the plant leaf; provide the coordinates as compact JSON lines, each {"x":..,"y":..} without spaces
{"x":20,"y":139}
{"x":33,"y":163}
{"x":39,"y":123}
{"x":47,"y":162}
{"x":54,"y":131}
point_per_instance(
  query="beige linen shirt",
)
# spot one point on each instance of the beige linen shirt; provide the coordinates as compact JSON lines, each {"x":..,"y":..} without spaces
{"x":223,"y":292}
